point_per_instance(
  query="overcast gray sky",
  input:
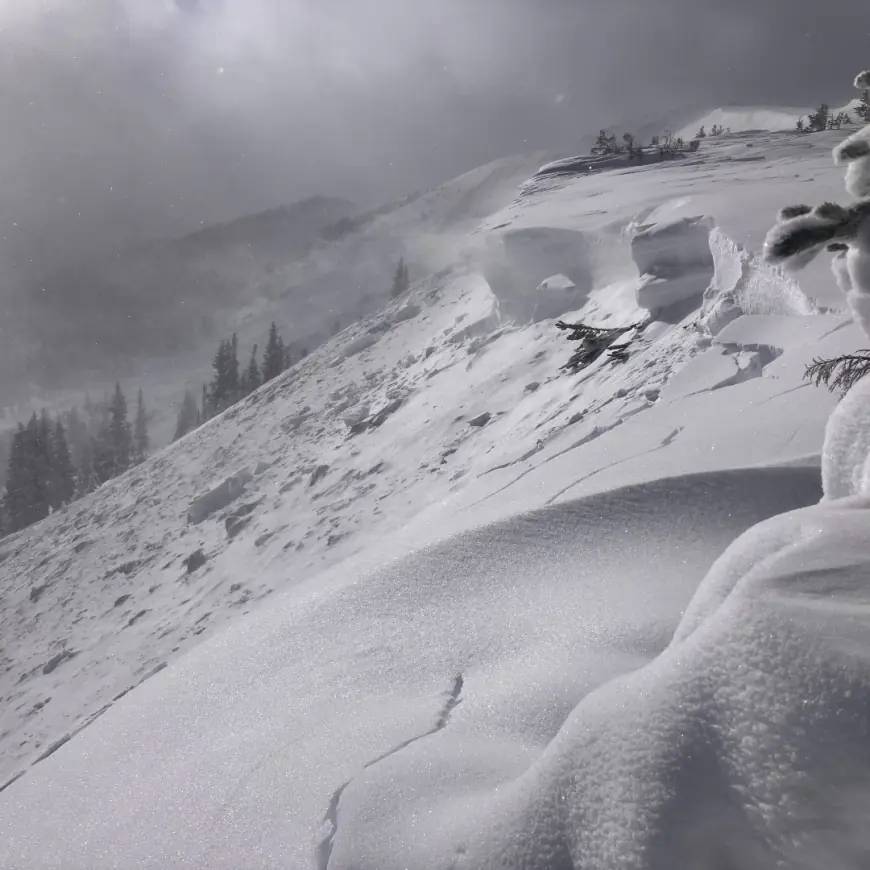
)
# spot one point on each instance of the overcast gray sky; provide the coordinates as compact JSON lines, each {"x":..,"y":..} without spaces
{"x":124,"y":120}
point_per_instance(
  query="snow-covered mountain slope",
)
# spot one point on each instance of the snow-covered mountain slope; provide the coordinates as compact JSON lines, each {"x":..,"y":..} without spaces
{"x":408,"y":699}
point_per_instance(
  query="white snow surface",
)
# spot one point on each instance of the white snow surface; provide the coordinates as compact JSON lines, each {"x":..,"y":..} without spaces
{"x":452,"y":607}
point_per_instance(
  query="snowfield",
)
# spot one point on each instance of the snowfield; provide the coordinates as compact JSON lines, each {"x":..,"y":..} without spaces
{"x":429,"y":601}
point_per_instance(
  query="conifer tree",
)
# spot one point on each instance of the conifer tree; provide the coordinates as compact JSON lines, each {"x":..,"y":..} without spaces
{"x":251,"y":375}
{"x":87,"y":479}
{"x":863,"y":108}
{"x":401,"y":279}
{"x":273,"y":357}
{"x":42,"y":464}
{"x":120,"y":441}
{"x":63,"y":480}
{"x":233,"y":380}
{"x":76,"y":436}
{"x":224,"y":385}
{"x":18,"y":484}
{"x":206,"y":412}
{"x":141,"y":441}
{"x":188,"y":415}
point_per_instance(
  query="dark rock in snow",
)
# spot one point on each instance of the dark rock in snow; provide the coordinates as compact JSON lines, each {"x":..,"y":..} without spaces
{"x":480,"y":420}
{"x":121,"y":600}
{"x":532,"y":387}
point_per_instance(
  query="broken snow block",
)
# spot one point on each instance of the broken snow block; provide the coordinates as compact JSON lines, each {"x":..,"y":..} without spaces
{"x":219,"y":497}
{"x":318,"y":474}
{"x":236,"y":524}
{"x":387,"y":411}
{"x":195,"y":561}
{"x":480,"y":420}
{"x":407,"y":312}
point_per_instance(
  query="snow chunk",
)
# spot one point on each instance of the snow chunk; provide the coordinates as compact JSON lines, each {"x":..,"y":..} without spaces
{"x":674,"y":261}
{"x":712,"y":369}
{"x":219,"y":497}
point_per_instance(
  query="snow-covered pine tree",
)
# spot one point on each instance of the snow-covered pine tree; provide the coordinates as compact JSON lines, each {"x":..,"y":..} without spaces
{"x":605,"y":144}
{"x":141,"y":440}
{"x":819,"y":118}
{"x":863,"y":108}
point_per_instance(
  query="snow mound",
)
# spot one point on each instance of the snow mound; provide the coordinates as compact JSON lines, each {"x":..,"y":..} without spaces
{"x":385,"y":763}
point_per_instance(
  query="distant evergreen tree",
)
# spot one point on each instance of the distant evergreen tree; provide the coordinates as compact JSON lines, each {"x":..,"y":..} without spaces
{"x":63,"y":478}
{"x":42,"y":463}
{"x":77,"y":436}
{"x":18,"y":483}
{"x":819,"y":118}
{"x":401,"y":279}
{"x":141,"y":441}
{"x":863,"y":108}
{"x":233,"y":379}
{"x":86,"y":479}
{"x":188,"y":416}
{"x":701,"y":134}
{"x":206,"y":412}
{"x":251,"y":376}
{"x":605,"y":144}
{"x":225,"y":384}
{"x":120,"y":440}
{"x":273,"y":357}
{"x":799,"y":126}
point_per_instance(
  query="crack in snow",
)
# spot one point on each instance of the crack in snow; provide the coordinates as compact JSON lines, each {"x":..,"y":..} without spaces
{"x":666,"y":442}
{"x":324,"y":848}
{"x":597,"y":432}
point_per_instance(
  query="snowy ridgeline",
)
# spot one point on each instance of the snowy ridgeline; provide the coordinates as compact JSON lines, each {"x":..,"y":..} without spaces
{"x":517,"y":630}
